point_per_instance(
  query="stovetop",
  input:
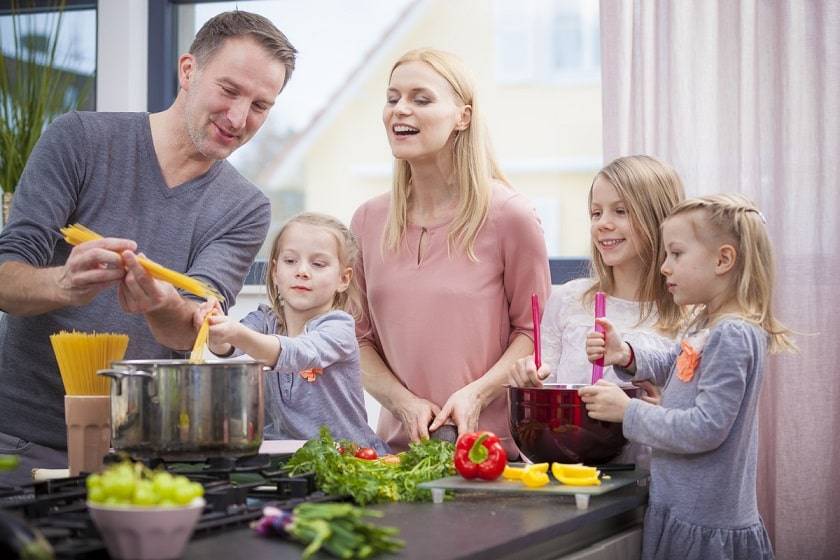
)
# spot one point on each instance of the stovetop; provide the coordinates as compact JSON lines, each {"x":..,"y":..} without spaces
{"x":235,"y":493}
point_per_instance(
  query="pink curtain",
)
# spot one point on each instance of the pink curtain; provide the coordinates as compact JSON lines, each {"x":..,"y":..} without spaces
{"x":743,"y":96}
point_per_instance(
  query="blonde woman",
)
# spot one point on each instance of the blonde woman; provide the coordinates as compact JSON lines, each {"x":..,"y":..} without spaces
{"x":450,"y":259}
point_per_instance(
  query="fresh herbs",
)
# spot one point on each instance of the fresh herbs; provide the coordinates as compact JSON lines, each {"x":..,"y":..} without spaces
{"x":337,"y":528}
{"x":373,"y":481}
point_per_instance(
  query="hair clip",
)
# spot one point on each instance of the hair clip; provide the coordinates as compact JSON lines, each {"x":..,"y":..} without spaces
{"x":760,"y":215}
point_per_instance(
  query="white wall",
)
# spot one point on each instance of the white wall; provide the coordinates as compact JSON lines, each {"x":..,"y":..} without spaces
{"x":121,"y":55}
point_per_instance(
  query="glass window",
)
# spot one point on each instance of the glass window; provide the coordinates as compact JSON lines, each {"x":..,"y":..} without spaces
{"x":536,"y":63}
{"x":75,"y":49}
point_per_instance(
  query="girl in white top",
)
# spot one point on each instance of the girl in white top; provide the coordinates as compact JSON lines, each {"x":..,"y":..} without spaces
{"x":628,"y":201}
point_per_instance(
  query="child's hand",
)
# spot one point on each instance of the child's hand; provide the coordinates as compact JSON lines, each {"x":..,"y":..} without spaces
{"x":605,"y":401}
{"x":524,"y":373}
{"x":652,"y":393}
{"x":607,"y":345}
{"x":209,"y":306}
{"x":223,"y":331}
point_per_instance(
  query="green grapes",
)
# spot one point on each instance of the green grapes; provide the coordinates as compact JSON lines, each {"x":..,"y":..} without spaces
{"x":135,"y":484}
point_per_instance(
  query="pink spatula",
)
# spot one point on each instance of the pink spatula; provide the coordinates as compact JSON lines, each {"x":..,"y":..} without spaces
{"x":600,"y":311}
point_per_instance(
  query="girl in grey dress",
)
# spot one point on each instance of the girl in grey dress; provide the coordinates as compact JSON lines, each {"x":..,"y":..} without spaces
{"x":307,"y":336}
{"x":704,"y":435}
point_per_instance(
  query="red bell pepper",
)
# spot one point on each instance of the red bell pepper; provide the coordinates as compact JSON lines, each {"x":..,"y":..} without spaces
{"x":480,"y":455}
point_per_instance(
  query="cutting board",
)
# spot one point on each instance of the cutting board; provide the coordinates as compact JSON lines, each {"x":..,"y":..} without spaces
{"x":617,"y":480}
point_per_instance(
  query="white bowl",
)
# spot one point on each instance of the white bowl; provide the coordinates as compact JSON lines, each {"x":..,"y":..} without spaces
{"x":145,"y":533}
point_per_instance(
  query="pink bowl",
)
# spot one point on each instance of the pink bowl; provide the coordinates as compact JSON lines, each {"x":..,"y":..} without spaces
{"x":145,"y":533}
{"x":551,"y":424}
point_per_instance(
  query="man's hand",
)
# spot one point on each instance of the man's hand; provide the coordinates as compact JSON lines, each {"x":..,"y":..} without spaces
{"x":90,"y":268}
{"x":139,"y":292}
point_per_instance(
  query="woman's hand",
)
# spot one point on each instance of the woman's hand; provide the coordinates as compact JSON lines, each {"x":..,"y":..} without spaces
{"x":652,"y":393}
{"x":605,"y":401}
{"x":416,"y":414}
{"x":464,"y":407}
{"x":525,"y":374}
{"x":607,"y":345}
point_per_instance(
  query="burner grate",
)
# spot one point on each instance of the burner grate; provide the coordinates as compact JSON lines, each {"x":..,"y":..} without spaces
{"x":235,"y":494}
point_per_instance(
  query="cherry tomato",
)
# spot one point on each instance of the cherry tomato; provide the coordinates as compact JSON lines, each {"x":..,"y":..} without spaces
{"x":366,"y":453}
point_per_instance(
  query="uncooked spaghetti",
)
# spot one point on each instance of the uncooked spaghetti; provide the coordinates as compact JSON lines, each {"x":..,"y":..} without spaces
{"x":80,"y":355}
{"x":77,"y":233}
{"x":197,"y":354}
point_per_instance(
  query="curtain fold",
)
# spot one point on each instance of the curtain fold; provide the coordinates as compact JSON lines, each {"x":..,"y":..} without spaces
{"x":743,"y":97}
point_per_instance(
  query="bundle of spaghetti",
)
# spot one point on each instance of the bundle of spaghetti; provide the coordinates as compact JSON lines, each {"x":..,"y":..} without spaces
{"x":197,"y":354}
{"x":80,"y":355}
{"x":77,"y":233}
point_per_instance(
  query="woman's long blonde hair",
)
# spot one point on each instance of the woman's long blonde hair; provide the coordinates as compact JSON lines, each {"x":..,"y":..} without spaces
{"x":650,"y":189}
{"x":348,"y":254}
{"x":474,"y":164}
{"x":734,"y":219}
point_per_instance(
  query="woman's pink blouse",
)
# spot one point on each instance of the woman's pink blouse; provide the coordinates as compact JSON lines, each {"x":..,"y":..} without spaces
{"x":441,"y":320}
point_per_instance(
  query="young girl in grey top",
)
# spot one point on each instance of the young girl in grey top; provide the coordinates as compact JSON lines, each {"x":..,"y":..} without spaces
{"x":704,"y":435}
{"x":307,"y":336}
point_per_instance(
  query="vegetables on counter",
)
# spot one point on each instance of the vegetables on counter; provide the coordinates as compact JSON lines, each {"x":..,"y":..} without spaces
{"x":576,"y":475}
{"x":366,"y":453}
{"x":339,"y":529}
{"x":386,"y":479}
{"x":19,"y":540}
{"x":535,"y":476}
{"x":480,"y":455}
{"x":9,"y":462}
{"x":135,"y":484}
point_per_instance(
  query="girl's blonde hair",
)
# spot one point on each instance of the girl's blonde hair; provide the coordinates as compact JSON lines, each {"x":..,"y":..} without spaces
{"x":650,"y":189}
{"x":734,"y":219}
{"x":348,"y":253}
{"x":474,"y":164}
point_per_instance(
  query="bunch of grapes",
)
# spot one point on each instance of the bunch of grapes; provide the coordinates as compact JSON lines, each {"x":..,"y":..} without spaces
{"x":128,"y":483}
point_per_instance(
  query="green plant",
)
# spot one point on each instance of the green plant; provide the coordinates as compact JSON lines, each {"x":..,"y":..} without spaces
{"x":33,"y":90}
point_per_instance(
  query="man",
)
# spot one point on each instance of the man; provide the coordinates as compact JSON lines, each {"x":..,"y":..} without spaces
{"x":157,"y":184}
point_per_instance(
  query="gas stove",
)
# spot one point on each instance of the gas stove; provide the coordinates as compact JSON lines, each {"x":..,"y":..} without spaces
{"x":235,"y":492}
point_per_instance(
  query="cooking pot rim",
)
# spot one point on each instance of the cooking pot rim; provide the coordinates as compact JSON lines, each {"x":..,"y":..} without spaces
{"x":564,"y":386}
{"x":185,"y":362}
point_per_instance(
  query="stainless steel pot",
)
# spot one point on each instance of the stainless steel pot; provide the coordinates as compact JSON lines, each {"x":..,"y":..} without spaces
{"x":178,"y":411}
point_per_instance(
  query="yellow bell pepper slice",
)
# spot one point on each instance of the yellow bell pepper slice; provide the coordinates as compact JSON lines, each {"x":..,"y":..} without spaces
{"x":573,"y":471}
{"x":513,"y":473}
{"x":576,"y":475}
{"x":578,"y":481}
{"x":534,"y":479}
{"x":538,"y":467}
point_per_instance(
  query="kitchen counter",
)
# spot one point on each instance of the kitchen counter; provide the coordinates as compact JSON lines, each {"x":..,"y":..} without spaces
{"x":473,"y":525}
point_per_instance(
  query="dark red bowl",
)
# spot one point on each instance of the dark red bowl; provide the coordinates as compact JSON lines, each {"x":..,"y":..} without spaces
{"x":550,"y":424}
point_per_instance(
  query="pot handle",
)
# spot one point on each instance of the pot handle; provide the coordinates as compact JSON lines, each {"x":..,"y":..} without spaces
{"x":118,"y":374}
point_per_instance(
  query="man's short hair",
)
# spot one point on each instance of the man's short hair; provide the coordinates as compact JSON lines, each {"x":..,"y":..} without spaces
{"x":237,"y":23}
